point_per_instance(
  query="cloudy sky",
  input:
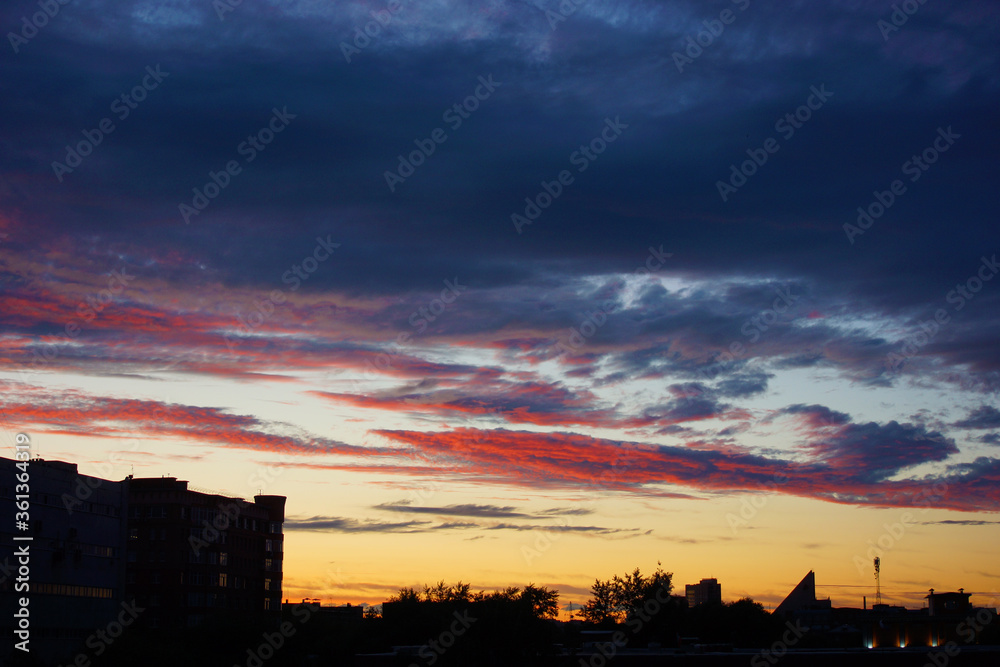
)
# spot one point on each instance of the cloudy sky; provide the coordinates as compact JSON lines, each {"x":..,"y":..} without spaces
{"x":521,"y":291}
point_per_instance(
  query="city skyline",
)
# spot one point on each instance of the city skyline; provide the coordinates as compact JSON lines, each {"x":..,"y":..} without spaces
{"x":72,"y":496}
{"x":521,"y":292}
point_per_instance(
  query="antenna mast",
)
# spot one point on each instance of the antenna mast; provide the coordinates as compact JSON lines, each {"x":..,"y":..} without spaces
{"x":878,"y":584}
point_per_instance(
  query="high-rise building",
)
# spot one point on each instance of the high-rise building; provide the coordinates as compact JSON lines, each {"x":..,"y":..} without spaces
{"x":74,"y":563}
{"x":705,"y":591}
{"x":192,"y":554}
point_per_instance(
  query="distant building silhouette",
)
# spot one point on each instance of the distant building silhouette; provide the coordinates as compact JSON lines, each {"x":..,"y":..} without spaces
{"x":332,"y":613}
{"x":76,"y":557}
{"x":884,"y":625}
{"x":705,"y":591}
{"x":191,"y":554}
{"x":948,"y":603}
{"x":802,"y":598}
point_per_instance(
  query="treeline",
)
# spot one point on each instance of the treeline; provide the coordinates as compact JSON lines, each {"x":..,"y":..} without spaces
{"x":534,"y":601}
{"x":644,"y":609}
{"x":454,"y":625}
{"x":444,"y":625}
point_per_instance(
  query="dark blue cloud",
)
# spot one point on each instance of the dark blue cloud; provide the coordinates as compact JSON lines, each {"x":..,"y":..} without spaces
{"x":985,"y":416}
{"x":711,"y":327}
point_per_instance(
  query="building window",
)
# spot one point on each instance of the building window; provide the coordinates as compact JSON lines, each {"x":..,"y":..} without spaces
{"x":268,"y":563}
{"x":267,"y":584}
{"x":223,"y":558}
{"x":133,"y":533}
{"x":222,"y":579}
{"x":268,"y":546}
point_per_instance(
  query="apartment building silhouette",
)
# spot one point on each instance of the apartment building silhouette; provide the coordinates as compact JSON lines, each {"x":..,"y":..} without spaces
{"x":192,"y":553}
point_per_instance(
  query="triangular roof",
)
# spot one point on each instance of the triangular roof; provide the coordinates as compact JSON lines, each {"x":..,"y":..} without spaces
{"x":803,"y":595}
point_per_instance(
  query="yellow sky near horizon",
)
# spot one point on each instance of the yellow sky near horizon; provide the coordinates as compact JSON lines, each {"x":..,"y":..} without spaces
{"x":757,"y":545}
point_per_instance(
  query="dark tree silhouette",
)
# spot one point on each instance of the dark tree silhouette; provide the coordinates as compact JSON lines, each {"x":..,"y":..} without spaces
{"x":621,"y":598}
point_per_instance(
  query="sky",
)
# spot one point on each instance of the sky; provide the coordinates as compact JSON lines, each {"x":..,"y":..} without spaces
{"x":521,"y":291}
